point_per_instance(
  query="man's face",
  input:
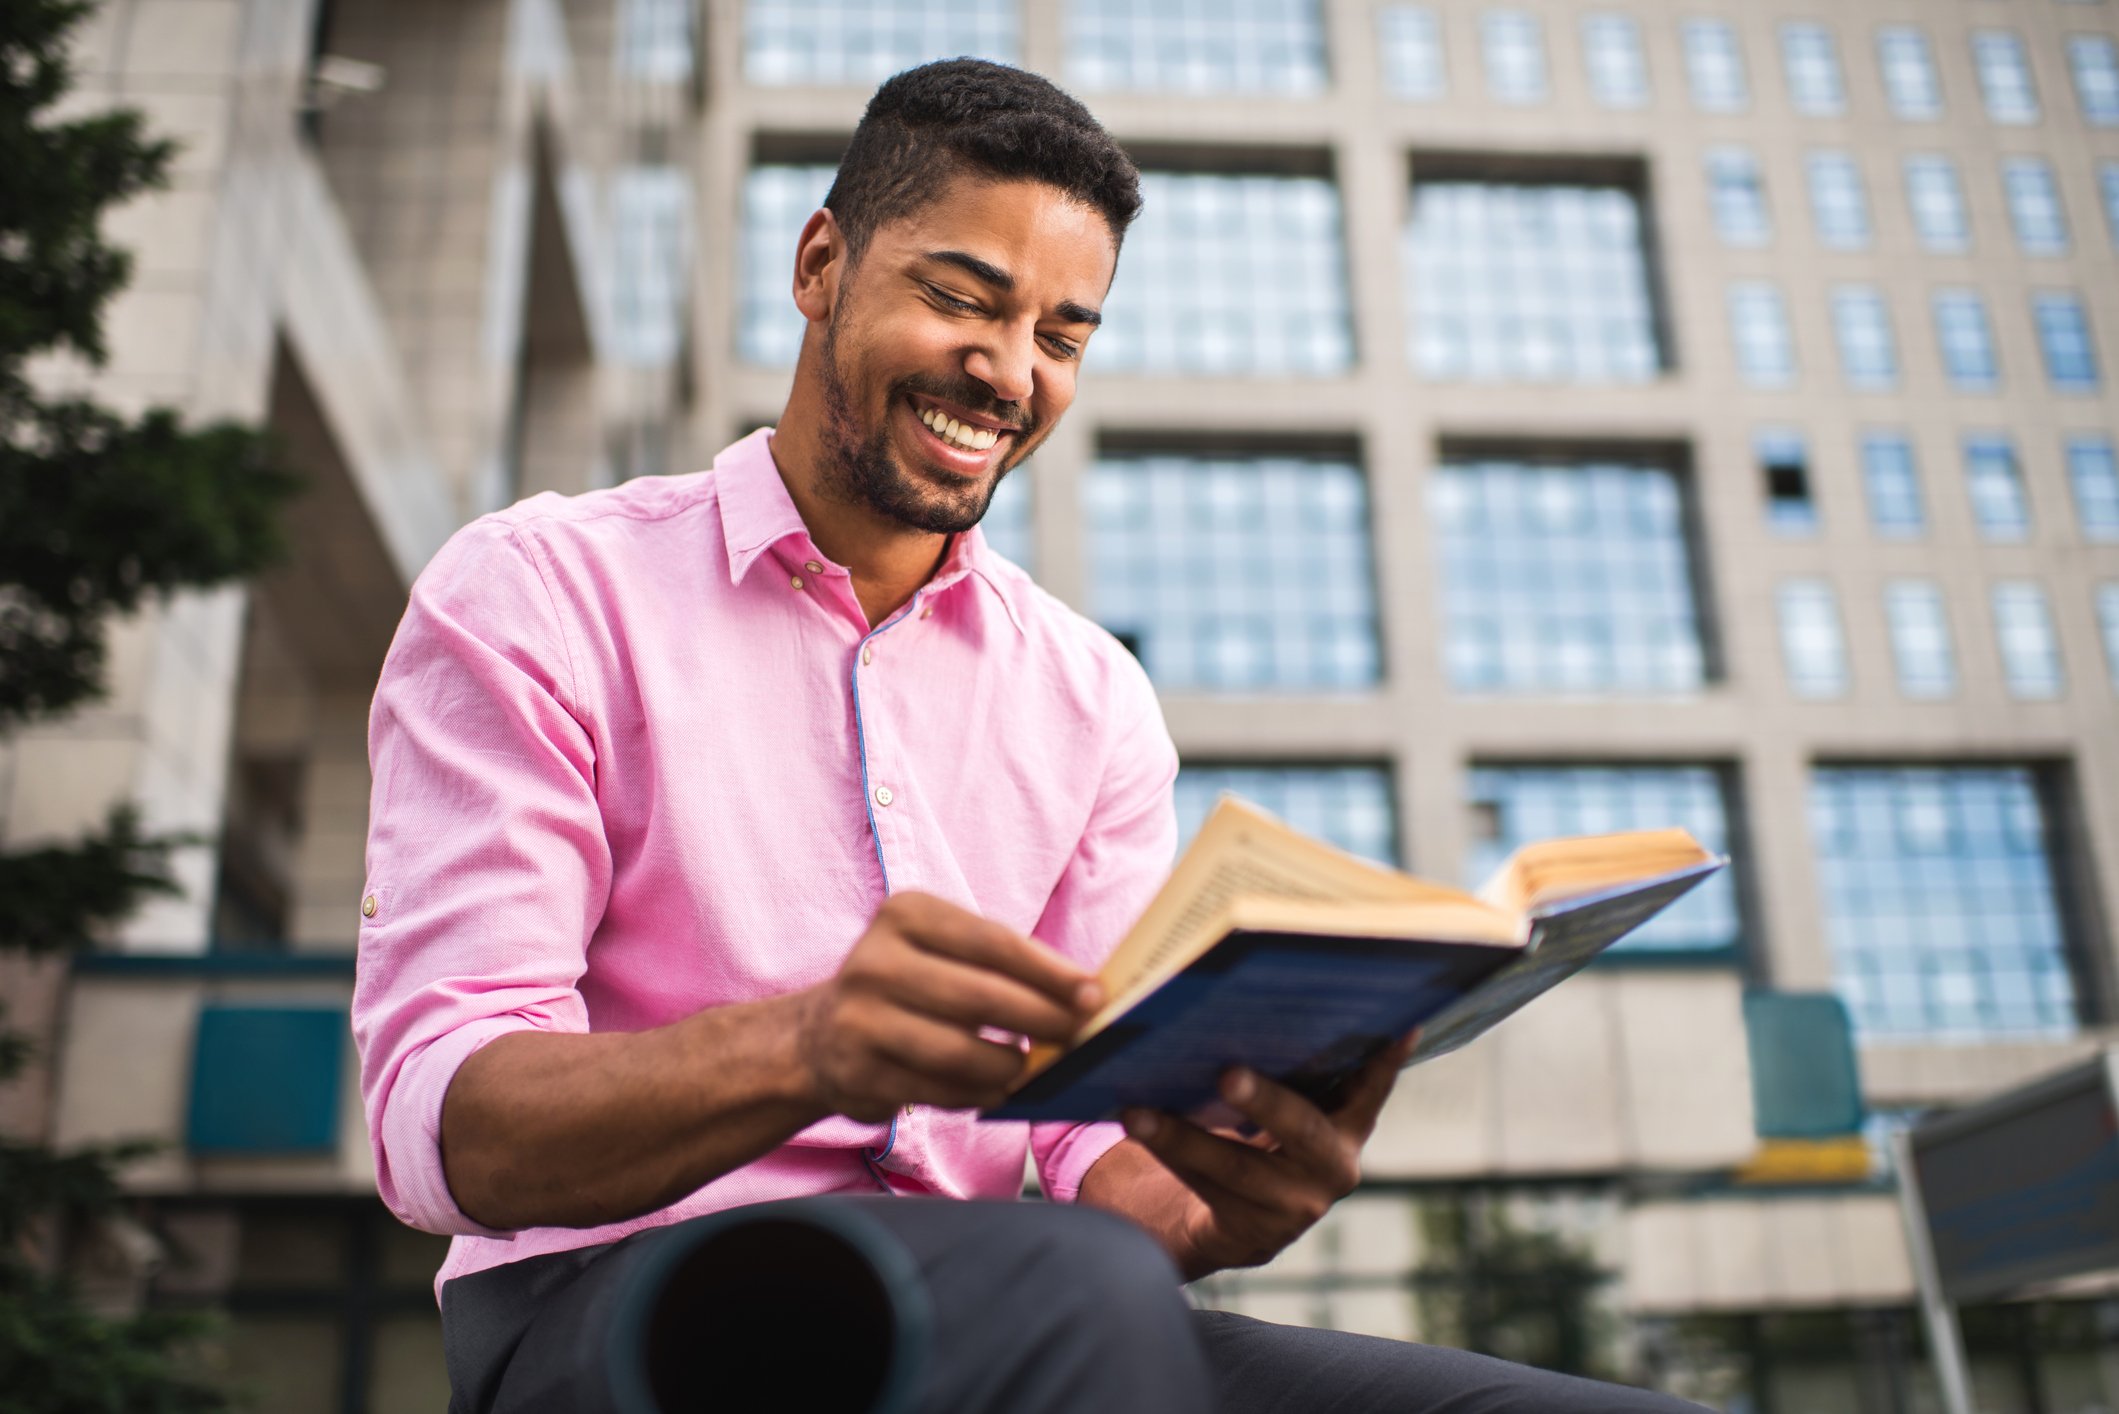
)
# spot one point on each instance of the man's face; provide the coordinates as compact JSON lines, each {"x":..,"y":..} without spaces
{"x":975,"y":308}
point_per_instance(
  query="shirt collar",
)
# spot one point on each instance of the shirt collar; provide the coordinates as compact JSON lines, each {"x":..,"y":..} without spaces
{"x":757,"y":513}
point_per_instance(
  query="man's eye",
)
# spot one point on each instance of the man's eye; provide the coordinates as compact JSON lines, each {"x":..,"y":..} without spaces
{"x":1061,"y":348}
{"x":950,"y":300}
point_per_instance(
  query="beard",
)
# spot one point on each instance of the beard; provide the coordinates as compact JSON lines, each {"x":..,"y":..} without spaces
{"x":862,"y":470}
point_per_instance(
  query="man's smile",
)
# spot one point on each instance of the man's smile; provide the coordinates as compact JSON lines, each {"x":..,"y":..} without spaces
{"x":955,"y":439}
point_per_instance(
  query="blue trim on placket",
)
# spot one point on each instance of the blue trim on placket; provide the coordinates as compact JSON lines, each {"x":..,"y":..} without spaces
{"x":868,"y":802}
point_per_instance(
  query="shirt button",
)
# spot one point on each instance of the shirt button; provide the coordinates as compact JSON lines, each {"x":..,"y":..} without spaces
{"x":883,"y":795}
{"x":796,"y":581}
{"x":813,"y":567}
{"x":927,"y":612}
{"x":368,"y":906}
{"x":868,"y":654}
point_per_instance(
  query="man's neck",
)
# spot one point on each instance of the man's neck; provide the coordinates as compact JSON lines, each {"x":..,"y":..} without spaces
{"x":889,"y":561}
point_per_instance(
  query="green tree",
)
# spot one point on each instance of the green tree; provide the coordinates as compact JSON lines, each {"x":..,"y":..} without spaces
{"x":100,"y":514}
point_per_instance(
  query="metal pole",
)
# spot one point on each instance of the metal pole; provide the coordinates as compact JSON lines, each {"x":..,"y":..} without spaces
{"x":1945,"y":1340}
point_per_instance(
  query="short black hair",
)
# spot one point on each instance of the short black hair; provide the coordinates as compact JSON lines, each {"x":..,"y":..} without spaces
{"x":976,"y":117}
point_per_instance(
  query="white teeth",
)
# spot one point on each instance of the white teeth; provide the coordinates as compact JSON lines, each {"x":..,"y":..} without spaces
{"x":963,"y":434}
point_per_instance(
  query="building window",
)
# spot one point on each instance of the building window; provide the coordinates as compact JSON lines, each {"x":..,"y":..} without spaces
{"x":1617,"y":66}
{"x":1891,"y":482}
{"x":2034,"y":206}
{"x":1349,"y":806}
{"x":828,"y":42}
{"x":2094,"y":58}
{"x":1966,"y":340}
{"x":1941,"y":901}
{"x":2108,"y":190}
{"x":1785,"y":462}
{"x":1996,"y":488}
{"x":1514,"y":47}
{"x":2093,"y":472}
{"x":1231,"y":275}
{"x":650,"y":226}
{"x":654,"y":40}
{"x":1738,"y":196}
{"x":1166,"y":46}
{"x":1714,"y":66}
{"x":1936,"y":198}
{"x":778,"y":199}
{"x":1566,"y":577}
{"x":1815,"y":84}
{"x":1588,"y":316}
{"x":1414,"y":63}
{"x":1007,"y":523}
{"x":1908,"y":68}
{"x":1765,"y":349}
{"x":1861,"y":323}
{"x":1237,"y":573}
{"x":1838,"y":202}
{"x":2030,"y":650}
{"x":1920,"y":638}
{"x":1813,"y":649}
{"x":2005,"y":77}
{"x":1513,"y":806}
{"x":2108,"y":626}
{"x":2064,"y":339}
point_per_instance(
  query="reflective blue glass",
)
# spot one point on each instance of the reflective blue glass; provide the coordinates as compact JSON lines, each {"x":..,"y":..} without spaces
{"x":1891,"y":480}
{"x":1940,"y":902}
{"x":862,"y":42}
{"x":778,"y":199}
{"x":1169,"y":46}
{"x":2093,"y":472}
{"x":1565,"y":577}
{"x":1349,"y":806}
{"x":1231,"y":275}
{"x":1517,"y":805}
{"x":1532,"y":284}
{"x":2064,"y":338}
{"x":1966,"y":339}
{"x":1236,"y":573}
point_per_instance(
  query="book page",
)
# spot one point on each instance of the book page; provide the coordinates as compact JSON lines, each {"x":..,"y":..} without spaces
{"x":1243,"y":850}
{"x":1564,"y":938}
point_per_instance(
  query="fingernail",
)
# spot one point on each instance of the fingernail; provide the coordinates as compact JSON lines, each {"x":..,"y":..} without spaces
{"x":1142,"y":1124}
{"x":1088,"y":996}
{"x":1237,"y":1086}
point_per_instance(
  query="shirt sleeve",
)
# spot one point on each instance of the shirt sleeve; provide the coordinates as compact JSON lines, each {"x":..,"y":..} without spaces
{"x":488,"y":866}
{"x":1123,"y":858}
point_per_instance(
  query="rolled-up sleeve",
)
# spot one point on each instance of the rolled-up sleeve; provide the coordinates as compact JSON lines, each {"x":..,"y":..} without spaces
{"x":1123,"y":858}
{"x":487,"y":863}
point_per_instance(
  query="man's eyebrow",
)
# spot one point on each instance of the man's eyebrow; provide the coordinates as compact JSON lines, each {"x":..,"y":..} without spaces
{"x":986,"y":270}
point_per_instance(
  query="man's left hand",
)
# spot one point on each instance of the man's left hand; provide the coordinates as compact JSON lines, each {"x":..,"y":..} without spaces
{"x":1238,"y":1201}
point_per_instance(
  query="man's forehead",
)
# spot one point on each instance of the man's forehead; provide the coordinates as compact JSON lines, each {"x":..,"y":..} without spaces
{"x":1027,"y":231}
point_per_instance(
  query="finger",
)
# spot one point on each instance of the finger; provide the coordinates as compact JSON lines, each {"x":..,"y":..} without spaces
{"x":1372,"y":1086}
{"x":946,"y":1054}
{"x":971,"y":997}
{"x":888,"y":1086}
{"x":1231,"y":1207}
{"x":941,"y":927}
{"x":1197,"y":1157}
{"x":1304,"y":1133}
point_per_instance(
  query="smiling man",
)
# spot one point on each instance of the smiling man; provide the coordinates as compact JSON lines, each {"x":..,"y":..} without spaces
{"x":727,"y":827}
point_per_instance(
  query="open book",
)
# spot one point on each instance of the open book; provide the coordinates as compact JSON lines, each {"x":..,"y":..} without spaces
{"x":1269,"y":949}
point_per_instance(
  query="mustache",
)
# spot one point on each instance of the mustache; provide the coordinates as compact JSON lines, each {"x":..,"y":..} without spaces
{"x":973,"y":397}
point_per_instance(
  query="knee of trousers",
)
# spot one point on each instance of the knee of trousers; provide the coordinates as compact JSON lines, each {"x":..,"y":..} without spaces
{"x":1101,"y":1274}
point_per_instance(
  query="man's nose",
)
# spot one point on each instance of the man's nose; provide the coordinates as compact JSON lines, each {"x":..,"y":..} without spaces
{"x":1005,"y":364}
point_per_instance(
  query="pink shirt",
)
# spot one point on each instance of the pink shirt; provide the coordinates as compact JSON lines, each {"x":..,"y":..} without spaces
{"x":638,"y":752}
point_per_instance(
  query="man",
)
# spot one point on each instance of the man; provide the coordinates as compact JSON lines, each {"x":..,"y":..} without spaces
{"x":726,"y":827}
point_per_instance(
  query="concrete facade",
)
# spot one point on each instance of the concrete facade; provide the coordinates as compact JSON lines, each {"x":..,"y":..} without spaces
{"x":413,"y":286}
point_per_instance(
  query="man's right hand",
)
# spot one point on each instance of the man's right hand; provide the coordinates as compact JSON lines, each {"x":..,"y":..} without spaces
{"x":900,"y":1023}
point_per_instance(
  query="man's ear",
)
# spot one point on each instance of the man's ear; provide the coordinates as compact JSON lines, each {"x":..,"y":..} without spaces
{"x":820,"y":259}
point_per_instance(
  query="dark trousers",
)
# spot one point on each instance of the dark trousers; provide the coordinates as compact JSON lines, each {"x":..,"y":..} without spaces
{"x":1033,"y":1308}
